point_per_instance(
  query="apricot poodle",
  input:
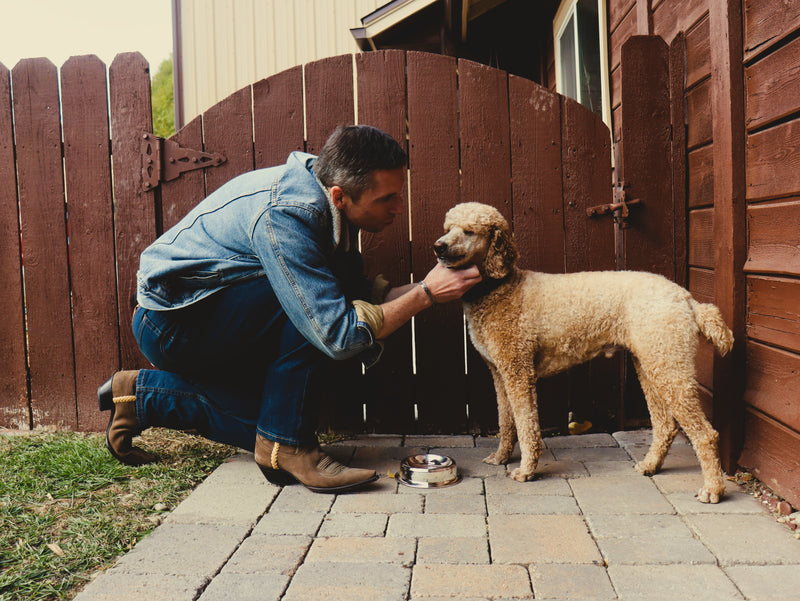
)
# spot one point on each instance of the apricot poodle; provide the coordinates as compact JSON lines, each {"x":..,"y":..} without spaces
{"x":528,"y":325}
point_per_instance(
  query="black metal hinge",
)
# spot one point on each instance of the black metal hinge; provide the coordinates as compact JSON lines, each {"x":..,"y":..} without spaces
{"x":165,"y":160}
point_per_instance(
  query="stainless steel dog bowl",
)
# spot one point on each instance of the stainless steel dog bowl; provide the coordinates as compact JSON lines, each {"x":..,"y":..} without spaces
{"x":428,"y":471}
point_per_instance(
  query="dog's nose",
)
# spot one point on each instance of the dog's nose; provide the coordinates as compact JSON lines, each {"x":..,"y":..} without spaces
{"x":439,"y":248}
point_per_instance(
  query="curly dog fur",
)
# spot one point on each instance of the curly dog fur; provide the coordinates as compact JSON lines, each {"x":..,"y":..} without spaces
{"x":528,"y":325}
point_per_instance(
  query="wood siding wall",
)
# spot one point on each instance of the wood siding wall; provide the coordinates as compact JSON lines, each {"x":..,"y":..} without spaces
{"x":772,"y":121}
{"x":742,"y":105}
{"x":228,"y":44}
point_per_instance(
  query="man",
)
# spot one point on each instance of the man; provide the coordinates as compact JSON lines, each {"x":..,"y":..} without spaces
{"x":242,"y":303}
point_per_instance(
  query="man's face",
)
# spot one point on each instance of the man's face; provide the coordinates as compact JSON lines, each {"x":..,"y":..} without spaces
{"x":378,"y":206}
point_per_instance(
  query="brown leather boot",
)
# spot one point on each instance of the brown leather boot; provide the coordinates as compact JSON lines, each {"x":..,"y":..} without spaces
{"x":282,"y":464}
{"x":118,"y":394}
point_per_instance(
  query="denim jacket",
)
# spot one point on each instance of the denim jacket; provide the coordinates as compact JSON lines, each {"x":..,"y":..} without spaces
{"x":276,"y":223}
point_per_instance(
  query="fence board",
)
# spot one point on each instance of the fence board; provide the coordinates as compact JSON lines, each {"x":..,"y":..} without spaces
{"x":774,"y":238}
{"x":179,"y":196}
{"x":772,"y":151}
{"x":329,"y":98}
{"x":773,"y":311}
{"x":590,"y":245}
{"x":330,"y":102}
{"x":228,"y":130}
{"x":772,"y":452}
{"x":486,"y":178}
{"x":278,"y":117}
{"x":44,"y":242}
{"x":389,"y":408}
{"x":134,"y":208}
{"x":14,"y":410}
{"x":535,"y":117}
{"x":773,"y":379}
{"x":646,"y":157}
{"x":700,"y":175}
{"x":91,"y":231}
{"x":773,"y":86}
{"x":440,"y":386}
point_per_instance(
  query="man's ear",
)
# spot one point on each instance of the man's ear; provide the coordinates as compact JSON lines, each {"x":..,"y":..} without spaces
{"x":337,"y":194}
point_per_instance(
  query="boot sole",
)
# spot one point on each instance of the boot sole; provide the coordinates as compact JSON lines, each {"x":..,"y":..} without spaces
{"x":283,"y":478}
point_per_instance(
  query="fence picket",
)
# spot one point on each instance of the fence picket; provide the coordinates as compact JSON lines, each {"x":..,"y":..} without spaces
{"x":278,"y":117}
{"x":535,"y":117}
{"x":44,"y":242}
{"x":440,"y":384}
{"x":228,"y":129}
{"x":180,"y":195}
{"x":91,"y":241}
{"x":14,"y":409}
{"x":486,"y":178}
{"x":594,"y":387}
{"x":134,"y":208}
{"x":382,"y":103}
{"x":329,"y":103}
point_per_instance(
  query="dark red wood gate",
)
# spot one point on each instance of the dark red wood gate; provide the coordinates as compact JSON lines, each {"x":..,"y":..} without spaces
{"x":473,"y":133}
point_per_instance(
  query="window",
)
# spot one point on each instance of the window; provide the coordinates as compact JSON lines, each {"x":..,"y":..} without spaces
{"x":579,"y":31}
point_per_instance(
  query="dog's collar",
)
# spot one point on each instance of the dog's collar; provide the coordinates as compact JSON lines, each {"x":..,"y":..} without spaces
{"x":483,"y":288}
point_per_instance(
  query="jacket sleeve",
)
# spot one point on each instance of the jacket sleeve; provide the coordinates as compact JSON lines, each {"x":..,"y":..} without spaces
{"x":287,"y":238}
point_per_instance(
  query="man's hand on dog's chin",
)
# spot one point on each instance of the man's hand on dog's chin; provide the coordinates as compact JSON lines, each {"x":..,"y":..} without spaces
{"x":448,"y":284}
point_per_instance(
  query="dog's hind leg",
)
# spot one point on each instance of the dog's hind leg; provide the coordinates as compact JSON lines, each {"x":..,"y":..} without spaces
{"x":705,"y":440}
{"x":663,"y":424}
{"x":508,"y":431}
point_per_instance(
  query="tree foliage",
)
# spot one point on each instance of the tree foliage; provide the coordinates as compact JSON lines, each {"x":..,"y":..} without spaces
{"x":163,"y":100}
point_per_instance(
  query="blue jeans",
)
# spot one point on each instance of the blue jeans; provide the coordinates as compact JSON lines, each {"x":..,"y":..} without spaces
{"x":229,"y":366}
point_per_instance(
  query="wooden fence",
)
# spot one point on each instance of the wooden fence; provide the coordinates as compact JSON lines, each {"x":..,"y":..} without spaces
{"x":75,"y":215}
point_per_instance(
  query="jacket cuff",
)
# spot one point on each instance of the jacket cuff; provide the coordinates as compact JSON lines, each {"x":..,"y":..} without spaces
{"x":370,"y":314}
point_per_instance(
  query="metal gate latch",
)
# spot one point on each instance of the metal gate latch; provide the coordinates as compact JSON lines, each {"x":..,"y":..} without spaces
{"x":619,"y":208}
{"x":165,"y":160}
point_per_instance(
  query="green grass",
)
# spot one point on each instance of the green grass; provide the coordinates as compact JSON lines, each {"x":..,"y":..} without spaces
{"x":68,"y":509}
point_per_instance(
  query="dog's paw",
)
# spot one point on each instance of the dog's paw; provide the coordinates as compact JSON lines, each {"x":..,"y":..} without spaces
{"x":707,"y":496}
{"x":521,"y":476}
{"x":495,"y":459}
{"x":645,"y":469}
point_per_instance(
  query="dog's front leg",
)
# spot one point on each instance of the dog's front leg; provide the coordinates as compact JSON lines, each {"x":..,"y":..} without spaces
{"x":521,"y":391}
{"x":508,"y":431}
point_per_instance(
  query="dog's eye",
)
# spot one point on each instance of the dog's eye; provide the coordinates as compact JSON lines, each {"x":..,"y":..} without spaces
{"x":469,"y":233}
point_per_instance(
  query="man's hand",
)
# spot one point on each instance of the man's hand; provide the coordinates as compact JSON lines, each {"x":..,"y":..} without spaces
{"x":451,"y":284}
{"x":404,"y":302}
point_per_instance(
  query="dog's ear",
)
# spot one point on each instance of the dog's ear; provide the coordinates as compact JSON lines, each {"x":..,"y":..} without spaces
{"x":501,"y":256}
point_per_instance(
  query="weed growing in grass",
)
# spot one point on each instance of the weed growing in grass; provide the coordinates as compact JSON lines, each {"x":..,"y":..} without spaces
{"x":68,"y":508}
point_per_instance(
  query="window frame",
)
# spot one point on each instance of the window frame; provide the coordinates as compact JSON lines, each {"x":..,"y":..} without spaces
{"x":566,"y":15}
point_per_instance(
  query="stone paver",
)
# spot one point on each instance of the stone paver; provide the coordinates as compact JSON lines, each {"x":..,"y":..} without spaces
{"x":325,"y":581}
{"x":363,"y":550}
{"x":672,"y":582}
{"x":619,"y":494}
{"x":452,"y":549}
{"x":767,"y":583}
{"x":541,"y":539}
{"x":561,"y":581}
{"x":460,"y":581}
{"x":743,"y":539}
{"x":587,"y":527}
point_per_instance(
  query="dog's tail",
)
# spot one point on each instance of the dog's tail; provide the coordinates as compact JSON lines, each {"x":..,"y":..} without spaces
{"x":709,"y":319}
